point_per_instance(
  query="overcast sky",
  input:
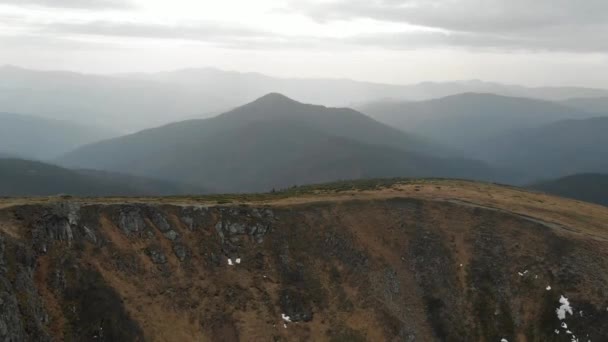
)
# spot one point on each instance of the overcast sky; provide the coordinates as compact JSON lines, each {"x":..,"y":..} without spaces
{"x":531,"y":42}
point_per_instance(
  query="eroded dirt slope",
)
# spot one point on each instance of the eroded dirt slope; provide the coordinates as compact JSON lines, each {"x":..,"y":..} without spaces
{"x":394,"y":265}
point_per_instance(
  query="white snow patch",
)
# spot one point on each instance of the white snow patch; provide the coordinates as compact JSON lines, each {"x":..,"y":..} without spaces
{"x":548,"y":288}
{"x":460,"y":265}
{"x":556,"y":331}
{"x":230,"y":262}
{"x":285,"y":318}
{"x":568,"y":332}
{"x":238,"y":260}
{"x":521,"y":274}
{"x":564,"y":325}
{"x":284,"y":325}
{"x":504,"y":340}
{"x":564,"y":307}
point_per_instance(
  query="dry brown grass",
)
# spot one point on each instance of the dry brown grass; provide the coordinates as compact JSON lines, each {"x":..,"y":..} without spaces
{"x":584,"y":218}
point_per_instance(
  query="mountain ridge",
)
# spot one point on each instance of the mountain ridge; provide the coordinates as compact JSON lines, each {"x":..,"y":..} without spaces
{"x":488,"y":126}
{"x":147,"y":100}
{"x":251,"y":145}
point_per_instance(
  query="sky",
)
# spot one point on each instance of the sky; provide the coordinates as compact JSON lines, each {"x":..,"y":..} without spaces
{"x":539,"y":42}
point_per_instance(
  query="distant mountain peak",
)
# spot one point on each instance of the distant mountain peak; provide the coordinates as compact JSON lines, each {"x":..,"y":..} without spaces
{"x":273,"y":105}
{"x":274,"y":99}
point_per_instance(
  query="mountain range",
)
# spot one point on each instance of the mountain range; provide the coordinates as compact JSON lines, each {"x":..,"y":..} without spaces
{"x":540,"y":139}
{"x":277,"y":142}
{"x":132,"y":102}
{"x":464,"y":120}
{"x":274,"y":142}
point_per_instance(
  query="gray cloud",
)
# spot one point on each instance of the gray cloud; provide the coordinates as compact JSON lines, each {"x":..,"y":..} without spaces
{"x":76,"y":4}
{"x":497,"y":25}
{"x":47,"y":43}
{"x":566,"y":39}
{"x":466,"y":15}
{"x":200,"y":31}
{"x":218,"y":34}
{"x":540,"y":24}
{"x":562,"y":40}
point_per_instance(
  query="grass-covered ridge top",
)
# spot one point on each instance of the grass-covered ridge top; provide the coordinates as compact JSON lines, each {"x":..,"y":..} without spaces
{"x":586,"y":218}
{"x":330,"y":188}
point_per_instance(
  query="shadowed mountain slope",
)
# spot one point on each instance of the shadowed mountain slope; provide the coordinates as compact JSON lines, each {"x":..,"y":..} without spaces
{"x":20,"y":177}
{"x":465,"y":121}
{"x":554,"y":150}
{"x":585,"y":187}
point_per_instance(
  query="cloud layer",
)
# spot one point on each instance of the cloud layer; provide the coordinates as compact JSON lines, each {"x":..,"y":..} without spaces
{"x":505,"y":25}
{"x":79,"y":4}
{"x":563,"y":25}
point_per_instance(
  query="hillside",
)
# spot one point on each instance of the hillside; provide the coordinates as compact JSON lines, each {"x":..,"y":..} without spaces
{"x":274,"y":142}
{"x":433,"y":260}
{"x":38,"y":138}
{"x":585,"y":187}
{"x":465,"y":121}
{"x":30,"y":178}
{"x":554,"y":150}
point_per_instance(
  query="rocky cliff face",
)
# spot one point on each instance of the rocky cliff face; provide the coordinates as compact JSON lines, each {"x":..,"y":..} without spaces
{"x":373,"y":270}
